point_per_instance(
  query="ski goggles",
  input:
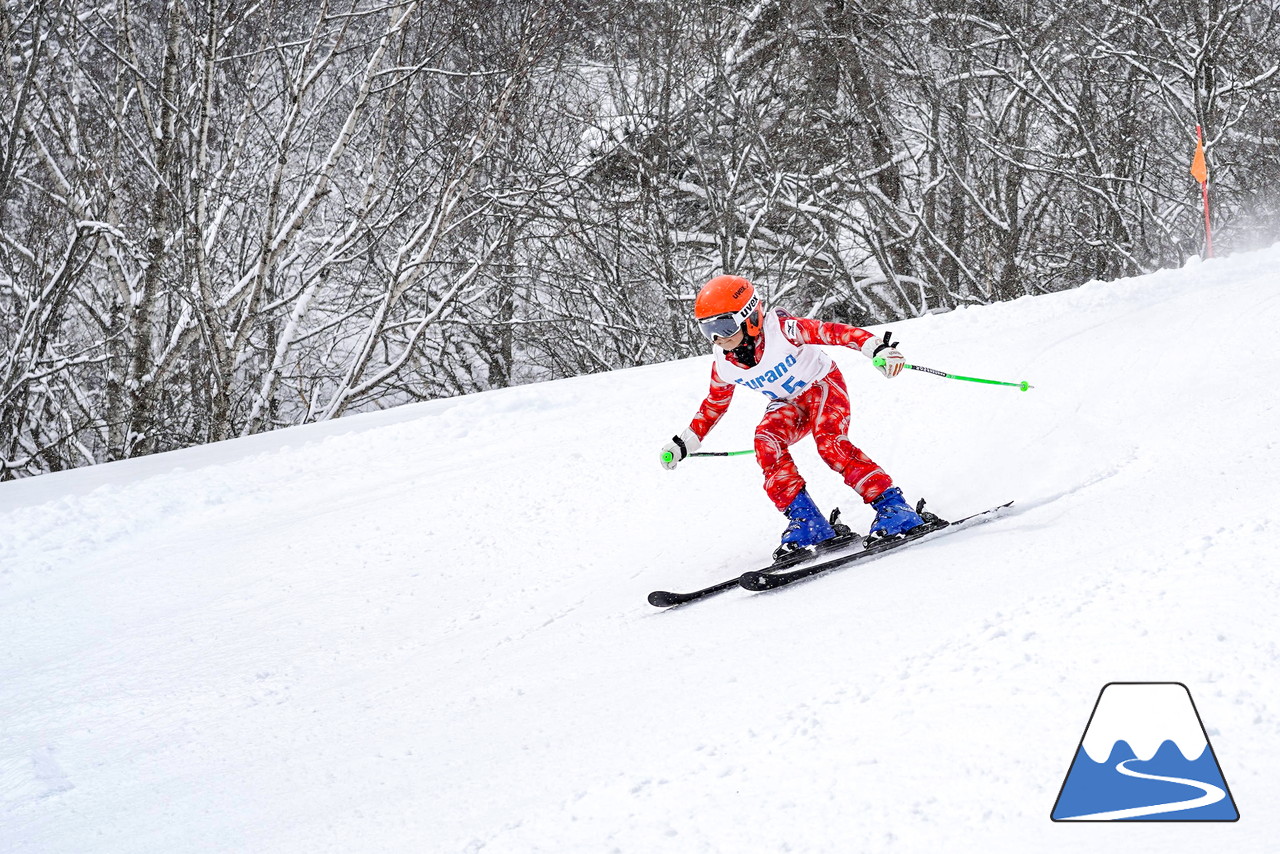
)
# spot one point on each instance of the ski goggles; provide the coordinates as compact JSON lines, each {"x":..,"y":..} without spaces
{"x":726,"y":325}
{"x":720,"y":326}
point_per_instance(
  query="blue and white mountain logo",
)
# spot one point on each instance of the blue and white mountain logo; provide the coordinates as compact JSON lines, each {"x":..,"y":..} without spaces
{"x":1145,"y":756}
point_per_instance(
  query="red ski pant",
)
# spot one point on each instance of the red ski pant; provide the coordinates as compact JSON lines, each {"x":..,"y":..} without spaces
{"x":822,"y":409}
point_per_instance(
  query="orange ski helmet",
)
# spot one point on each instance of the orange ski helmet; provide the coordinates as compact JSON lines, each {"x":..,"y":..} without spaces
{"x":724,"y":304}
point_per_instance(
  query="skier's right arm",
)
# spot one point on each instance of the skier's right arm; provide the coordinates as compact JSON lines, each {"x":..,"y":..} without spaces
{"x":690,"y":439}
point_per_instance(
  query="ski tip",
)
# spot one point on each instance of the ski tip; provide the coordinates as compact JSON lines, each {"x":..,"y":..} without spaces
{"x":755,"y":581}
{"x":663,"y":599}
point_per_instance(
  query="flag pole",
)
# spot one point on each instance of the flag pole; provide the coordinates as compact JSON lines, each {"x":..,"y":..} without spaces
{"x":1200,"y":171}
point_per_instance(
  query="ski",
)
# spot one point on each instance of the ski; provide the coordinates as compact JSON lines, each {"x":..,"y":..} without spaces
{"x":843,"y":539}
{"x":667,"y":599}
{"x":757,"y":581}
{"x":782,"y":572}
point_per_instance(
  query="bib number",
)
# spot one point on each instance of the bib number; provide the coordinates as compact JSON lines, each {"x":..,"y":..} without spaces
{"x":791,"y":385}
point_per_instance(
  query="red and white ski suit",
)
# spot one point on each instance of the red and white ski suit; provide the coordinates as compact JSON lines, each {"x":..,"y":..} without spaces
{"x":809,"y":395}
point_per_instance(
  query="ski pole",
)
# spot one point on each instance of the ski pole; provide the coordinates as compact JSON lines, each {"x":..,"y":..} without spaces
{"x":1024,"y":385}
{"x":668,"y":456}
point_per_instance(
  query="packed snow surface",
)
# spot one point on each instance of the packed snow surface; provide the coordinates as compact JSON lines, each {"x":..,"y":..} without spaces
{"x":426,"y":629}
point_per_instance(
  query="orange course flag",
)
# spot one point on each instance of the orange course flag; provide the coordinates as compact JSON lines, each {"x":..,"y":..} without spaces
{"x":1199,"y":170}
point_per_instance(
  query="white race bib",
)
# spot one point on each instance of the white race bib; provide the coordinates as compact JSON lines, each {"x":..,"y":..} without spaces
{"x":785,"y":369}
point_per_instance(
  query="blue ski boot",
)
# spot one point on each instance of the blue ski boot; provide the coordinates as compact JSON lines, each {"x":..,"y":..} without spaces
{"x":807,"y":526}
{"x":893,"y":514}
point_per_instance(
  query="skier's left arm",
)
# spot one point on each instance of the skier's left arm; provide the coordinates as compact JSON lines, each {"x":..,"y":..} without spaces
{"x":808,"y":330}
{"x":690,"y":439}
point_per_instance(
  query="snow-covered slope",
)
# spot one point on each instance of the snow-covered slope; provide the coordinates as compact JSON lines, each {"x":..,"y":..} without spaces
{"x":426,"y":630}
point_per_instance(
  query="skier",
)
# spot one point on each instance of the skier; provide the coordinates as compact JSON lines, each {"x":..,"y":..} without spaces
{"x":771,"y":352}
